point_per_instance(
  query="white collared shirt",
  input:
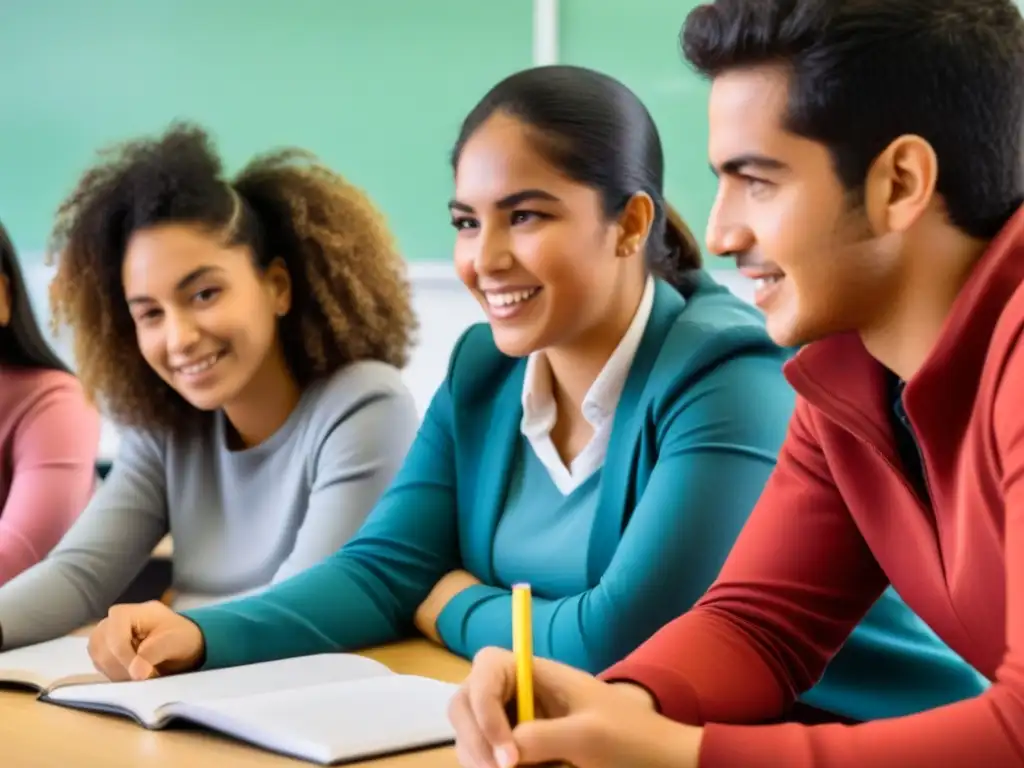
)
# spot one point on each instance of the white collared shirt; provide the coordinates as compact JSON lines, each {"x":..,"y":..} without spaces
{"x":540,"y":411}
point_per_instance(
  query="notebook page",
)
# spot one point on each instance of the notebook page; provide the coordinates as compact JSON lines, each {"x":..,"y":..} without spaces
{"x":335,"y":721}
{"x":145,"y":699}
{"x":44,"y":663}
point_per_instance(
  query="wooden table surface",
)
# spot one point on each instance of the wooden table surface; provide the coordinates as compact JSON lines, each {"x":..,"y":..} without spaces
{"x":37,"y":735}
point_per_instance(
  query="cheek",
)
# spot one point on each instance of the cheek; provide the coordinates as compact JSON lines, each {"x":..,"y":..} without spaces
{"x":152,"y":347}
{"x":463,"y":259}
{"x":552,"y":253}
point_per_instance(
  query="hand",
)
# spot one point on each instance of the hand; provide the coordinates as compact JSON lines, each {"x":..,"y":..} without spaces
{"x":144,"y":640}
{"x":446,"y":588}
{"x":580,"y":720}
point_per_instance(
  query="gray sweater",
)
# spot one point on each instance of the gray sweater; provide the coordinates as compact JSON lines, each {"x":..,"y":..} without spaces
{"x":240,"y":520}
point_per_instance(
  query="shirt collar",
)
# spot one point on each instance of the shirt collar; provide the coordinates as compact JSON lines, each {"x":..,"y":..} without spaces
{"x":601,"y":400}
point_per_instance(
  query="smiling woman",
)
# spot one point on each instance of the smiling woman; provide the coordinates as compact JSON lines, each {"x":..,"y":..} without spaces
{"x":247,"y":335}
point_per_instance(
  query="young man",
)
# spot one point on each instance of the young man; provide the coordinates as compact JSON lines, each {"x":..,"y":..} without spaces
{"x":871,"y":172}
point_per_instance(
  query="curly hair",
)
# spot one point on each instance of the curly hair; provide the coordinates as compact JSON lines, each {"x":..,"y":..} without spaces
{"x":350,"y":296}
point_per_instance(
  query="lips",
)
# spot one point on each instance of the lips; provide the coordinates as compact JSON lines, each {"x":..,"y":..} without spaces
{"x":199,"y":365}
{"x":767,"y":282}
{"x":510,"y":298}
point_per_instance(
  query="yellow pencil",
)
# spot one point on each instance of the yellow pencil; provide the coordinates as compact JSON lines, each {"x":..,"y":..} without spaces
{"x":522,"y":647}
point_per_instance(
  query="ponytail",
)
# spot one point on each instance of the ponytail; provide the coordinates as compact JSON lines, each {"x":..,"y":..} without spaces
{"x":678,"y":258}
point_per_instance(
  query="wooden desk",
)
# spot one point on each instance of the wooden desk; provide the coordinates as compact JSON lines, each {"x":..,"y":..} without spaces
{"x":37,"y":735}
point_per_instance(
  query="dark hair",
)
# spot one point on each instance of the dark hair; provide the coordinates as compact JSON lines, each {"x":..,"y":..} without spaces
{"x":598,"y":132}
{"x":21,"y":340}
{"x":863,"y":72}
{"x":350,"y":298}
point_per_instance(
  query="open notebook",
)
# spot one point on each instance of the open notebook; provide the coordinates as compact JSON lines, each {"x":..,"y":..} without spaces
{"x":326,"y":709}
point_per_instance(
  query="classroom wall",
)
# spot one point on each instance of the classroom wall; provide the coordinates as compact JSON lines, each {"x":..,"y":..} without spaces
{"x":377,"y":89}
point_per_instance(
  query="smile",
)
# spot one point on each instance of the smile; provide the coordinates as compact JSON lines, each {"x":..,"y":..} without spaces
{"x":511,"y":298}
{"x":504,"y":305}
{"x":200,"y":366}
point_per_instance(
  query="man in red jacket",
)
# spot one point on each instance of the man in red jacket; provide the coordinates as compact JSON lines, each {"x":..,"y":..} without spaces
{"x":871,"y":174}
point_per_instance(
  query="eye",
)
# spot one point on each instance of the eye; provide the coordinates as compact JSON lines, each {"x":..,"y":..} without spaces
{"x":147,"y":316}
{"x":524,"y":217}
{"x":758,"y":188}
{"x":464,"y":222}
{"x":206,"y":295}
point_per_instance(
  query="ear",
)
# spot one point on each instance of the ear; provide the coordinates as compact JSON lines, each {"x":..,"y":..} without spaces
{"x":635,"y":225}
{"x":900,"y":186}
{"x":279,"y":282}
{"x":5,"y":301}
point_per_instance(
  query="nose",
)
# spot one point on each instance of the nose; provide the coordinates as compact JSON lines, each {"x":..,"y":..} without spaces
{"x":725,"y":235}
{"x":494,"y":251}
{"x":181,"y":331}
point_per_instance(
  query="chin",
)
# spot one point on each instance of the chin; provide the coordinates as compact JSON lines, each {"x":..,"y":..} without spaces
{"x":515,"y":344}
{"x":204,"y":403}
{"x":784,"y":331}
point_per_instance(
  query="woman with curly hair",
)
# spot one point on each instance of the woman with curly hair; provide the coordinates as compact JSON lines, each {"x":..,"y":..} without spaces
{"x":247,"y":335}
{"x":49,"y":434}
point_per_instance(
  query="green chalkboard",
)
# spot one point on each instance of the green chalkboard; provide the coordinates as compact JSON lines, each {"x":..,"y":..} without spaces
{"x":376,"y":87}
{"x":638,"y":43}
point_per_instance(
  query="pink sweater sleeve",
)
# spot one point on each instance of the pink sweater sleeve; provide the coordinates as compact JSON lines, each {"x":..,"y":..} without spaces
{"x":53,"y":446}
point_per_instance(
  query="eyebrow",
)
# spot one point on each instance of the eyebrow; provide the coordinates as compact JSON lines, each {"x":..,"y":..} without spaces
{"x":509,"y":201}
{"x":182,"y":284}
{"x":735,"y":166}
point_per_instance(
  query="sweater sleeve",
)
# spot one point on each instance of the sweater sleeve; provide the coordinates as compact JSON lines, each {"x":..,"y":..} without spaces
{"x":716,"y":450}
{"x":354,"y":465}
{"x":54,"y":455}
{"x":104,"y":550}
{"x":791,"y":591}
{"x":366,"y":593}
{"x":725,"y":652}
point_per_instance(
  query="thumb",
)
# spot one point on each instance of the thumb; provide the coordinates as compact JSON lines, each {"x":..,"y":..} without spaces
{"x":576,"y":740}
{"x":163,"y":646}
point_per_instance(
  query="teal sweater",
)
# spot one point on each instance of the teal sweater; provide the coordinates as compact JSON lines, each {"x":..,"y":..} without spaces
{"x":700,"y":420}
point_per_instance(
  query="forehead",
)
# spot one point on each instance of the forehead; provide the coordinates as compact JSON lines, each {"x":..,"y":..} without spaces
{"x":501,"y":157}
{"x":746,"y":110}
{"x":156,"y":258}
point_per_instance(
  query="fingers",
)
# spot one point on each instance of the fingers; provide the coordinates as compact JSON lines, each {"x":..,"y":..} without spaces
{"x":115,"y":644}
{"x":112,"y":643}
{"x":171,"y":648}
{"x":576,"y":740}
{"x":490,"y":686}
{"x":472,"y":750}
{"x":102,"y":659}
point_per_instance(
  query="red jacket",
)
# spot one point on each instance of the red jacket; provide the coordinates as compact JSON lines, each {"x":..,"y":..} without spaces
{"x":838,"y":521}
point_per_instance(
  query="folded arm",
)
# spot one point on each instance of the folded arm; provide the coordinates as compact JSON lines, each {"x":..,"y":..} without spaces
{"x":716,"y":451}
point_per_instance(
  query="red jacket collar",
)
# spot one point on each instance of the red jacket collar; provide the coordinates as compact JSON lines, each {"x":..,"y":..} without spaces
{"x":840,"y":378}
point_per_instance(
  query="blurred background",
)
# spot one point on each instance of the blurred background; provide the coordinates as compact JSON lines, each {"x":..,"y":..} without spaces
{"x":377,"y":89}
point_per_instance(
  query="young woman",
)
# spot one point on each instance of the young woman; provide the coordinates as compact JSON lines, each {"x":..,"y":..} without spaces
{"x":603,"y":439}
{"x":247,"y":335}
{"x":49,"y":434}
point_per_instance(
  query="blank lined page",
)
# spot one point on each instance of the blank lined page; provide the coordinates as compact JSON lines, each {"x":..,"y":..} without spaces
{"x":145,"y":698}
{"x":44,"y":663}
{"x":335,"y":721}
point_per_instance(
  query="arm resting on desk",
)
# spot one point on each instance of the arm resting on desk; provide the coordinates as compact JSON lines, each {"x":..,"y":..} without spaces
{"x":717,"y":450}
